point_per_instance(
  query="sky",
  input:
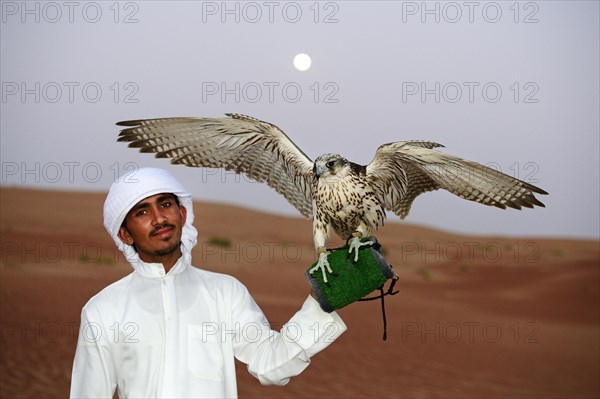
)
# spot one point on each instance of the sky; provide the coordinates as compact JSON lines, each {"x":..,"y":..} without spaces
{"x":512,"y":85}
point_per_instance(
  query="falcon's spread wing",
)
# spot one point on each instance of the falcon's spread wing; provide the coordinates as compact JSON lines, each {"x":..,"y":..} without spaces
{"x":403,"y":170}
{"x":258,"y":149}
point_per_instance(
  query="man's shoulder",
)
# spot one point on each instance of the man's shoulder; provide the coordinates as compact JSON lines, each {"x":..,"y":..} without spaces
{"x":221,"y":287}
{"x":215,"y":277}
{"x":107,"y":295}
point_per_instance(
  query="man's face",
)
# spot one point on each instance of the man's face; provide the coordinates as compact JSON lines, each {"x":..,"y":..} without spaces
{"x":154,"y":225}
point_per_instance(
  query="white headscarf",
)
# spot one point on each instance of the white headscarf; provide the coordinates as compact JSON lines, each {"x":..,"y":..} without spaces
{"x":133,"y":187}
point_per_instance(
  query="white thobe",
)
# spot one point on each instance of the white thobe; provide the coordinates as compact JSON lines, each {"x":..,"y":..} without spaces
{"x":153,"y":334}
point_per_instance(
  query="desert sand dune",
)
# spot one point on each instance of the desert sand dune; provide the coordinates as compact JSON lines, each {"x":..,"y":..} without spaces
{"x":475,"y":316}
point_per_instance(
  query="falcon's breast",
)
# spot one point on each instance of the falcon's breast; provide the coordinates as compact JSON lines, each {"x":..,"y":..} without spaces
{"x":347,"y":201}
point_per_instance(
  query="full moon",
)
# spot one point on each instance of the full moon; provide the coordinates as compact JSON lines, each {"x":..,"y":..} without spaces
{"x":302,"y":62}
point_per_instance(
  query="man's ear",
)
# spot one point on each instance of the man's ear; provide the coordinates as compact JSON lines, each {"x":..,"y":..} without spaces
{"x":183,"y":213}
{"x":125,"y":236}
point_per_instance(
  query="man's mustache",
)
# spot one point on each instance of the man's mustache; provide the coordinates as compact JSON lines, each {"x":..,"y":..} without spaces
{"x":163,"y":226}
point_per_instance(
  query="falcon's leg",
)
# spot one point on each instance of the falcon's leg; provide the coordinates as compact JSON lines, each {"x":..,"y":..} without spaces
{"x":320,"y":237}
{"x":355,"y":244}
{"x":322,"y":264}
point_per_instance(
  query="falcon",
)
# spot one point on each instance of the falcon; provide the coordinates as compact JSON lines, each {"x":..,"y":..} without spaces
{"x":336,"y":193}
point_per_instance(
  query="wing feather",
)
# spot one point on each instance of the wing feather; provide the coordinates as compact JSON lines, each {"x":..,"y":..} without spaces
{"x":401,"y":171}
{"x":246,"y":145}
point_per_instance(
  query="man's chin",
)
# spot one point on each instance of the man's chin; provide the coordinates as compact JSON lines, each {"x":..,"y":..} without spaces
{"x":167,"y":251}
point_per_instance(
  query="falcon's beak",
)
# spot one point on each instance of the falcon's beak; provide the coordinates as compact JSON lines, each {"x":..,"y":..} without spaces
{"x":319,"y":170}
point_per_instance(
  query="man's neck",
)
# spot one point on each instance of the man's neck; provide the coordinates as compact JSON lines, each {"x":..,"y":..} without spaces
{"x":169,"y":265}
{"x":168,"y":261}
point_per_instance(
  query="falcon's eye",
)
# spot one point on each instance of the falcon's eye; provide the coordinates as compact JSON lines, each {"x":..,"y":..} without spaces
{"x":330,"y":164}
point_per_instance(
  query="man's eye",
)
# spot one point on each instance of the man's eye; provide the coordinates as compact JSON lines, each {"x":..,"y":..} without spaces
{"x":140,"y":213}
{"x":166,"y":204}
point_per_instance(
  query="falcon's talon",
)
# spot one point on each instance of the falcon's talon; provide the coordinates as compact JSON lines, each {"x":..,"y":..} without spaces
{"x":322,"y":264}
{"x":355,"y":245}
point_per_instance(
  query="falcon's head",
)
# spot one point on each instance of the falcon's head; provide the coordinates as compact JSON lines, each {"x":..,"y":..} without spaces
{"x":329,"y":165}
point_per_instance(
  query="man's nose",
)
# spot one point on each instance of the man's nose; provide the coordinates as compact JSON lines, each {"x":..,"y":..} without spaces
{"x":158,"y":216}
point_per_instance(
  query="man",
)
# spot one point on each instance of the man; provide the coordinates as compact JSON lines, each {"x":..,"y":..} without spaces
{"x":172,"y":330}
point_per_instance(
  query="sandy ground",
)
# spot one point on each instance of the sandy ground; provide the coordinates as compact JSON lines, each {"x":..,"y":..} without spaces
{"x":475,"y":317}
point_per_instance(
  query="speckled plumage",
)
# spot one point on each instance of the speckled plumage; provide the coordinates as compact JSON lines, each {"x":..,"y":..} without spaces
{"x":334,"y":191}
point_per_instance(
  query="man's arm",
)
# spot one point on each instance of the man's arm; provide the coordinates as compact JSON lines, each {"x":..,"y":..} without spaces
{"x":277,"y":356}
{"x":93,"y":373}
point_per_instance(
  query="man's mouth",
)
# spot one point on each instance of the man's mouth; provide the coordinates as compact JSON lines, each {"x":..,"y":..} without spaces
{"x":163,"y":231}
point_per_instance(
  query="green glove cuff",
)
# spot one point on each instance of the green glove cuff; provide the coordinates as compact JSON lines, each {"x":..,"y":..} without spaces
{"x":350,"y":280}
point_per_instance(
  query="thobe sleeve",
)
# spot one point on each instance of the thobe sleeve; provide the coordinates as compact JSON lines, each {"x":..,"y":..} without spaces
{"x":93,"y":373}
{"x":273,"y":357}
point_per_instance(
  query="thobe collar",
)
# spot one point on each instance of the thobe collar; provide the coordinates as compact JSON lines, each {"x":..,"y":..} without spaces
{"x":157,"y":270}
